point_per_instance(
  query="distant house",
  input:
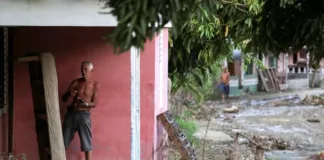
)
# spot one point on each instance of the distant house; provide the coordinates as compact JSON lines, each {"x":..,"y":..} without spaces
{"x":292,"y":70}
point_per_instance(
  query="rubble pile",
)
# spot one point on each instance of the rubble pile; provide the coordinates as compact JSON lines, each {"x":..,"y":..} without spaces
{"x":307,"y":101}
{"x":312,"y":100}
{"x":271,"y":143}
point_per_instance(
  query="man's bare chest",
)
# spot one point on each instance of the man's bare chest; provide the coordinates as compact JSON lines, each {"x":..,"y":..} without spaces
{"x":224,"y":75}
{"x":85,"y":89}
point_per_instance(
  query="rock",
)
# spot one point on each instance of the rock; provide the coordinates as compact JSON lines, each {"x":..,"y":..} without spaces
{"x":313,"y":120}
{"x":228,"y":119}
{"x":232,"y":109}
{"x":243,"y":141}
{"x":205,"y":109}
{"x":307,"y":99}
{"x":201,"y":116}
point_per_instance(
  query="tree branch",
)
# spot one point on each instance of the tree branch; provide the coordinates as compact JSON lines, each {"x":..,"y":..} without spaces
{"x":235,"y":3}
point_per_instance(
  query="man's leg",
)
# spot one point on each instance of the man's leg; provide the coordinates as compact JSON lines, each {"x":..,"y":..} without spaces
{"x":84,"y":131}
{"x":227,"y":90}
{"x":223,"y":97}
{"x":222,"y":88}
{"x":88,"y":155}
{"x":68,"y":129}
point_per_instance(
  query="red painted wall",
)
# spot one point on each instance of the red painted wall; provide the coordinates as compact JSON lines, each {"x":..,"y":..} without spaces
{"x":111,"y":118}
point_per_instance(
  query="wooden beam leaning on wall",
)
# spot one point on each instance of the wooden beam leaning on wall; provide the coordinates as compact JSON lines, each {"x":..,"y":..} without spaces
{"x":50,"y":82}
{"x":28,"y":58}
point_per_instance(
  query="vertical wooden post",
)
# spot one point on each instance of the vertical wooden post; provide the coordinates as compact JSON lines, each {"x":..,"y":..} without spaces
{"x":259,"y":153}
{"x":135,"y":104}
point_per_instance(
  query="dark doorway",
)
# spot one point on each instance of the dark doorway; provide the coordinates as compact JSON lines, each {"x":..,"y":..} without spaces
{"x":39,"y":104}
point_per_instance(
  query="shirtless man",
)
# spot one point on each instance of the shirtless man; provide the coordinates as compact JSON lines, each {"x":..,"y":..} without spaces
{"x":224,"y":86}
{"x":84,"y":94}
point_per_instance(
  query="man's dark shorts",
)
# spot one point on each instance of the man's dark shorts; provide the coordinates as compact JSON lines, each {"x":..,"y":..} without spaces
{"x":77,"y":121}
{"x":224,"y":88}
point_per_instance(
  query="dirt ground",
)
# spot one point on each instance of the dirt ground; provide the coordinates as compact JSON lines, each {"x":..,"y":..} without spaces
{"x":281,"y":117}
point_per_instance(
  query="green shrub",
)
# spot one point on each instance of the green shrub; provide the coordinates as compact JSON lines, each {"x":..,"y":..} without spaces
{"x":188,"y":127}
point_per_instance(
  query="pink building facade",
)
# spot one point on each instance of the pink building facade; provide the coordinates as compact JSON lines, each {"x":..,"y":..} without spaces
{"x":70,"y":46}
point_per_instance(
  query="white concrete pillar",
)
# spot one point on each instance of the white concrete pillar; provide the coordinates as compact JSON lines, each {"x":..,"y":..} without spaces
{"x":135,"y":104}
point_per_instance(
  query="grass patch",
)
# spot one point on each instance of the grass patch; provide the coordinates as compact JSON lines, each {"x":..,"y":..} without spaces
{"x":188,"y":127}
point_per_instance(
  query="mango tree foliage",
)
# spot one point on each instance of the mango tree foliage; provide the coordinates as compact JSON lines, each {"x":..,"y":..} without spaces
{"x":208,"y":36}
{"x":202,"y":31}
{"x":205,"y":31}
{"x":289,"y":25}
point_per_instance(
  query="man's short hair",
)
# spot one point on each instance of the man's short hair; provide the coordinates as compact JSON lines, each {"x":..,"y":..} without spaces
{"x":90,"y":64}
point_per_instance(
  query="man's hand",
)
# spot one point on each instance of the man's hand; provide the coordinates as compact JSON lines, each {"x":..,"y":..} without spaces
{"x":70,"y":91}
{"x":82,"y":103}
{"x":73,"y":93}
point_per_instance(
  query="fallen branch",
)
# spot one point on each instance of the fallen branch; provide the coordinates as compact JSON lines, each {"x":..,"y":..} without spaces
{"x":253,"y":142}
{"x":313,"y":120}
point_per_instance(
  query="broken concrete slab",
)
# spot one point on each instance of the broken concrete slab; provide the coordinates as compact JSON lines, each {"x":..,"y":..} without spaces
{"x":215,"y":136}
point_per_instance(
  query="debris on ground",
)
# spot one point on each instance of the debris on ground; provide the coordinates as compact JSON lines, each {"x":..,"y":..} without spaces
{"x":319,"y":156}
{"x":284,"y":103}
{"x":307,"y":101}
{"x":229,"y":119}
{"x":237,"y":152}
{"x":313,"y":120}
{"x":232,"y":109}
{"x":254,"y":150}
{"x":205,"y":112}
{"x":257,"y":145}
{"x":271,"y":143}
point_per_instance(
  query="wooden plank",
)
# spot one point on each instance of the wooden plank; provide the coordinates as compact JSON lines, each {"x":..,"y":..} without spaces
{"x":178,"y":138}
{"x":52,"y":106}
{"x":259,"y":153}
{"x":271,"y":80}
{"x":275,"y":78}
{"x":28,"y":58}
{"x":268,"y":80}
{"x":265,"y":85}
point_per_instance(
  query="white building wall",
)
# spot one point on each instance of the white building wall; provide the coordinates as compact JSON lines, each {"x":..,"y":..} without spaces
{"x":55,"y":13}
{"x":298,"y":83}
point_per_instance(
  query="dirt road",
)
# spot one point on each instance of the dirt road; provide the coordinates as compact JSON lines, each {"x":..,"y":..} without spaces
{"x":261,"y":117}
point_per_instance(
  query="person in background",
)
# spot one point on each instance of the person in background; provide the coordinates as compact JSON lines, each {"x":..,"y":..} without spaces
{"x":224,"y":85}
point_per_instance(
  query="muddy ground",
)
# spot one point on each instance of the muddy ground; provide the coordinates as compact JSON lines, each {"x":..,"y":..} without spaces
{"x":283,"y":118}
